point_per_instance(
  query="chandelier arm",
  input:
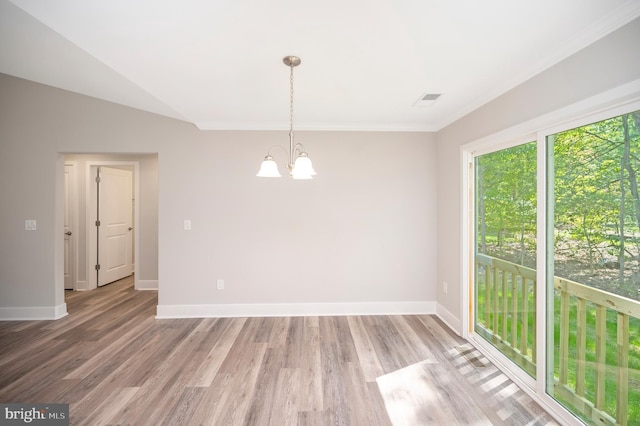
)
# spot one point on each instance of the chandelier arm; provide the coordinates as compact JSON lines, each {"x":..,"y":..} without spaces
{"x":277,"y":146}
{"x":298,"y":148}
{"x":289,"y":154}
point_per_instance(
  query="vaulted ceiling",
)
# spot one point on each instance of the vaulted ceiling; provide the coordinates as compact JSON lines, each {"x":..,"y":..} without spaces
{"x":365,"y":63}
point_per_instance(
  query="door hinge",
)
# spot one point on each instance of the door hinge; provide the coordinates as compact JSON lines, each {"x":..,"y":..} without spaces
{"x":97,"y":179}
{"x":97,"y":223}
{"x":97,"y":267}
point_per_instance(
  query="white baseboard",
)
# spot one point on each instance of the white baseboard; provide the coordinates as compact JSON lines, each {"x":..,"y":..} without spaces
{"x":295,"y":309}
{"x":33,"y":313}
{"x":146,"y":284}
{"x":449,"y":319}
{"x":81,"y":286}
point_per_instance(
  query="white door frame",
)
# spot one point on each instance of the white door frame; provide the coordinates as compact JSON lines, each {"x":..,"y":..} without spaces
{"x":73,"y":207}
{"x":91,"y":214}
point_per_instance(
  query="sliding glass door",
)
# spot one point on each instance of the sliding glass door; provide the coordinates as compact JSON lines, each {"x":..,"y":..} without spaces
{"x":593,"y":283}
{"x":505,"y":252}
{"x":563,"y":279}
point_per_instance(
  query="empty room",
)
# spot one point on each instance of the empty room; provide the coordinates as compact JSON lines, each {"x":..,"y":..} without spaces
{"x":336,"y":213}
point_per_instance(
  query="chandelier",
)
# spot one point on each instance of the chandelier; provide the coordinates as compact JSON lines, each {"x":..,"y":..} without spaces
{"x":299,"y":164}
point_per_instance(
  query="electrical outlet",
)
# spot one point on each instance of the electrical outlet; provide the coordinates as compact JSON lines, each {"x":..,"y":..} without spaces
{"x":220,"y":284}
{"x":187,"y":224}
{"x":445,"y":287}
{"x":30,"y":225}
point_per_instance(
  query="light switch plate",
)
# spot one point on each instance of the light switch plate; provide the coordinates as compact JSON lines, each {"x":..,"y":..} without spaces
{"x":187,"y":225}
{"x":30,"y":225}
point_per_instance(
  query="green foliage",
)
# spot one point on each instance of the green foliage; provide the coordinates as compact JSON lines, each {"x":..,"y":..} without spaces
{"x":595,"y":204}
{"x":506,"y":200}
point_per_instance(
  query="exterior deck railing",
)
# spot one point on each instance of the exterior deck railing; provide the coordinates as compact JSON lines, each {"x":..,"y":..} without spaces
{"x":506,"y":317}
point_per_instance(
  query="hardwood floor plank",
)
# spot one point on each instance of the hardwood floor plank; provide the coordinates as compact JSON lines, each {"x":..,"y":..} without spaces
{"x":260,"y":410}
{"x":361,"y":411}
{"x":26,"y":368}
{"x":312,"y":418}
{"x":213,"y":401}
{"x":336,"y":403}
{"x":285,"y":403}
{"x":45,"y":379}
{"x":414,"y":345}
{"x":113,"y":403}
{"x":218,"y":353}
{"x":312,"y":321}
{"x":111,"y":348}
{"x":143,"y":365}
{"x":382,"y":335}
{"x":181,"y":412}
{"x":369,"y":362}
{"x":346,"y":347}
{"x":293,"y":346}
{"x":168,"y":382}
{"x":439,"y":334}
{"x":310,"y":387}
{"x":243,"y":386}
{"x":380,"y":416}
{"x":279,"y":331}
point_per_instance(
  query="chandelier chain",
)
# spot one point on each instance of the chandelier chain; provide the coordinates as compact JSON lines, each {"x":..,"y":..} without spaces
{"x":291,"y":100}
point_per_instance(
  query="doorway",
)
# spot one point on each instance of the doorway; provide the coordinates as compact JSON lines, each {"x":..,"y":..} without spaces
{"x":143,"y":203}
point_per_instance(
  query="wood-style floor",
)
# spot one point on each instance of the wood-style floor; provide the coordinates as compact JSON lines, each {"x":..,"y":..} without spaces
{"x":114,"y":363}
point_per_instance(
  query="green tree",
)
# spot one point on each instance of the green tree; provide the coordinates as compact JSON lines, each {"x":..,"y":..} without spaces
{"x":506,"y":202}
{"x":597,"y":204}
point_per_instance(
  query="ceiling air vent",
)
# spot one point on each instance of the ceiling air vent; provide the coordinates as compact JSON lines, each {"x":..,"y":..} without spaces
{"x":427,"y":99}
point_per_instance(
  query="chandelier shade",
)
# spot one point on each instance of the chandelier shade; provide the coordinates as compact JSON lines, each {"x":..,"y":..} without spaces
{"x":269,"y":168}
{"x":302,"y":168}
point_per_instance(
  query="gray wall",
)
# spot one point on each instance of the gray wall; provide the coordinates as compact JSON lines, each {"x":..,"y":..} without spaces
{"x":363,"y":231}
{"x":606,"y":64}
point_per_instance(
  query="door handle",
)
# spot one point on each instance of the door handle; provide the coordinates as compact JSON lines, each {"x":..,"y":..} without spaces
{"x":130,"y":228}
{"x":67,"y":233}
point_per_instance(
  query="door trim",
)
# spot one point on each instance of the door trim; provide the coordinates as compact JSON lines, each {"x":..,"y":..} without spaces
{"x":91,"y":213}
{"x":73,"y":206}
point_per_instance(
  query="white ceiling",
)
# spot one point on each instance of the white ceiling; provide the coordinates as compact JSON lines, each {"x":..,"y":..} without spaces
{"x":218,"y":63}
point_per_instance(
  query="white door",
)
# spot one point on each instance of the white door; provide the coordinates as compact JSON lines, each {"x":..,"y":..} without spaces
{"x":69,"y":218}
{"x":115,"y":236}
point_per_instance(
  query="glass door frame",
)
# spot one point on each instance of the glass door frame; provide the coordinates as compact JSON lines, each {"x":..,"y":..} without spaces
{"x":502,"y":361}
{"x":609,"y":104}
